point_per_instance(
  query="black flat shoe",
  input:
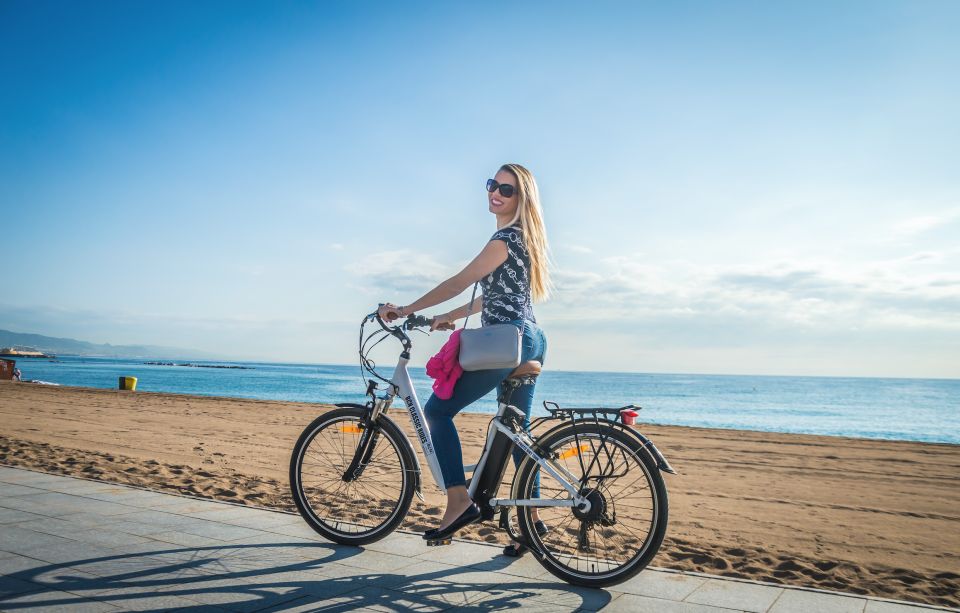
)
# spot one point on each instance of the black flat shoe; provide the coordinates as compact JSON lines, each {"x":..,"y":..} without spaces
{"x":515,"y":549}
{"x":466,"y":518}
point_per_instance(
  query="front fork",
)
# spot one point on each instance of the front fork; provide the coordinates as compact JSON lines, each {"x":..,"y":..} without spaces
{"x":369,"y":436}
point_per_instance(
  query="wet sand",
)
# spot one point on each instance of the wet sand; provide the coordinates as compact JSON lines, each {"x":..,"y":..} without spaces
{"x":855,"y":515}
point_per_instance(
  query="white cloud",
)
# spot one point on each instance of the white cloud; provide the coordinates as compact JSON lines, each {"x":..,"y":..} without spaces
{"x":809,"y":295}
{"x":401,"y":270}
{"x":913,"y":226}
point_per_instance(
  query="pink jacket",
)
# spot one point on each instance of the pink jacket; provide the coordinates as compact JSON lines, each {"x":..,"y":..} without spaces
{"x":445,"y":367}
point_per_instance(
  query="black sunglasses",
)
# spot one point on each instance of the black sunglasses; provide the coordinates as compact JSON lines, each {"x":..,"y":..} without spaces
{"x":506,"y":190}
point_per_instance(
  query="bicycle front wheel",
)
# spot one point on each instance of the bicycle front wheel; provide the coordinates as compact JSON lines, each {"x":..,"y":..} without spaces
{"x":623,"y":529}
{"x":366,"y":505}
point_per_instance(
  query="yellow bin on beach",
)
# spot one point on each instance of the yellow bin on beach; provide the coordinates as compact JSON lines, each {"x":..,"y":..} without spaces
{"x":128,"y":383}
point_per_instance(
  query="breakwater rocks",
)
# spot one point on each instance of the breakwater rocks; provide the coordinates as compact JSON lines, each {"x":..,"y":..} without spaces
{"x":189,"y":365}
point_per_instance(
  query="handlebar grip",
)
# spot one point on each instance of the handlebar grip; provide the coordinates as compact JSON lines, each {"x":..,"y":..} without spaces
{"x":415,"y":321}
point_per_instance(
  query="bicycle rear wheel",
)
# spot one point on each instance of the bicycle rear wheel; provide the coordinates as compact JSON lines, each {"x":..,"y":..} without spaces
{"x":368,"y":506}
{"x":625,"y":526}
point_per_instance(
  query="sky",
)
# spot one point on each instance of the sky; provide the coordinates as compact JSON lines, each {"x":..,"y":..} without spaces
{"x":728,"y":187}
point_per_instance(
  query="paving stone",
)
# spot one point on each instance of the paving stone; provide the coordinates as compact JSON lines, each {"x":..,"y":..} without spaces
{"x":161,"y":518}
{"x":525,"y":566}
{"x":318,"y":602}
{"x":564,"y":596}
{"x":136,"y":527}
{"x":263,"y":520}
{"x":14,"y":516}
{"x":184,"y":539}
{"x":59,"y":504}
{"x":54,"y":601}
{"x":95,"y":536}
{"x":631,"y":603}
{"x":378,"y":561}
{"x":10,"y":586}
{"x":21,"y":490}
{"x":14,"y":563}
{"x":64,"y":578}
{"x":455,"y":553}
{"x":36,"y":479}
{"x":375,"y":598}
{"x":235,"y":595}
{"x":27,"y":503}
{"x":78,"y":487}
{"x":878,"y":606}
{"x":21,"y":540}
{"x":798,"y":601}
{"x":309,"y":548}
{"x":663,"y":585}
{"x":298,"y":530}
{"x":139,"y":599}
{"x":399,"y":544}
{"x":121,"y":568}
{"x":223,"y":532}
{"x":182,"y":506}
{"x":73,"y":552}
{"x":735,"y":595}
{"x":225,"y":513}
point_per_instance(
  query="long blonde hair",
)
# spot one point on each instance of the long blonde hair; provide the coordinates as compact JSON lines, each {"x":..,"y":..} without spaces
{"x":530,"y":217}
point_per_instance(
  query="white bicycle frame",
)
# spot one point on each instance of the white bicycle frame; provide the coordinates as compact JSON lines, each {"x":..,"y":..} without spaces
{"x":403,"y":386}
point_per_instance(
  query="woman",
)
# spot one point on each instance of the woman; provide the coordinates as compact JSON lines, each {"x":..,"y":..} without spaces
{"x":512,"y":271}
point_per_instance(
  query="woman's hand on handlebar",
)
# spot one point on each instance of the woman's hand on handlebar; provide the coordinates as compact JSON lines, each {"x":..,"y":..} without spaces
{"x":442,"y":322}
{"x":389,"y":311}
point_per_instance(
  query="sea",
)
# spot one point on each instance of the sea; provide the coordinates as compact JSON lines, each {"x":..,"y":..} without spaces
{"x":902,"y":409}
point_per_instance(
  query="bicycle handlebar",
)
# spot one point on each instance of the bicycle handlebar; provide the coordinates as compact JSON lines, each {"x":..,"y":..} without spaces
{"x":412,"y":321}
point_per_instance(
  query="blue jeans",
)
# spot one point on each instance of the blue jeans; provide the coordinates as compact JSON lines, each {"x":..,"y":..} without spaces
{"x":470,"y":387}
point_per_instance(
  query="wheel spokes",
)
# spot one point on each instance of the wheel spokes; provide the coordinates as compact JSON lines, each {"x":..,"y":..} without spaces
{"x":619,"y":532}
{"x":362,"y":504}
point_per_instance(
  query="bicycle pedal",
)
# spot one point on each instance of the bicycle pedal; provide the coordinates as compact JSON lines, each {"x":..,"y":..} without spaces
{"x":439,"y":542}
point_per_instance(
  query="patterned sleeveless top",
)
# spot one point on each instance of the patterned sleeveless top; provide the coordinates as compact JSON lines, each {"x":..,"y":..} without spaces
{"x":506,"y":290}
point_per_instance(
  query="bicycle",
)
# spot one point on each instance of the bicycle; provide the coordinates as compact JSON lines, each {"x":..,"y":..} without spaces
{"x":353,"y":473}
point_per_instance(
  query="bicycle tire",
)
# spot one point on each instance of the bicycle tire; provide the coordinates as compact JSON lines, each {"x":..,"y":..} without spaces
{"x":363,"y":510}
{"x":558,"y":553}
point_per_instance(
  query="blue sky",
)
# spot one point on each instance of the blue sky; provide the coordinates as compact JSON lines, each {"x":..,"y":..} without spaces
{"x":729,"y":187}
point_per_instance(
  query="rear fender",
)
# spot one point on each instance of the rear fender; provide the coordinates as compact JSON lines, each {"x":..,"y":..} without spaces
{"x":417,"y":472}
{"x":651,"y":449}
{"x":655,"y":454}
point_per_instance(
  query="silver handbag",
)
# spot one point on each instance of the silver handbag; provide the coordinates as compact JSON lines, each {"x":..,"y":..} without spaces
{"x":488,"y":347}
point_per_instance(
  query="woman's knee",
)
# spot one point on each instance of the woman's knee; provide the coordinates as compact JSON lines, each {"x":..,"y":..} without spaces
{"x":434,"y":410}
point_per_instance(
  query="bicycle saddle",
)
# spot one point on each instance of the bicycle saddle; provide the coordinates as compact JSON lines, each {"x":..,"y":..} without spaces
{"x":530,"y":367}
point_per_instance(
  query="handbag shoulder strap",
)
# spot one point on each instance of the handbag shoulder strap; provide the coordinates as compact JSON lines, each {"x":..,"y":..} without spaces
{"x":523,"y":316}
{"x":470,"y":304}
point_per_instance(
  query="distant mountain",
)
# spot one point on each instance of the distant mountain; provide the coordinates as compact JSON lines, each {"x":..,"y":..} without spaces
{"x":69,"y":346}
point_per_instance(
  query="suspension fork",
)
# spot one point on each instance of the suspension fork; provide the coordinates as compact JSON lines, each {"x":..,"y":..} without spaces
{"x":368,"y":440}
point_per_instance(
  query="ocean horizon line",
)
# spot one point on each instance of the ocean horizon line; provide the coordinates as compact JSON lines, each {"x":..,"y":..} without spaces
{"x":552,"y":370}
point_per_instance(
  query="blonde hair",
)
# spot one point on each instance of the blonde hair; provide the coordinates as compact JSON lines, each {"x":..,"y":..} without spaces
{"x":529,"y":216}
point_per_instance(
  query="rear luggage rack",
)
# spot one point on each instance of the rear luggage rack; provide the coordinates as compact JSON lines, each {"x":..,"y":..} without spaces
{"x":575,"y":413}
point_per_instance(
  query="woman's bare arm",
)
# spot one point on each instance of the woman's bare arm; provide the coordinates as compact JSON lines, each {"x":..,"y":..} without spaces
{"x":463,"y":311}
{"x":493,"y":254}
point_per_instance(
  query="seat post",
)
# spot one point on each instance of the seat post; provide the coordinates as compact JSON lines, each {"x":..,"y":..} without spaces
{"x":510,"y":384}
{"x":525,"y":373}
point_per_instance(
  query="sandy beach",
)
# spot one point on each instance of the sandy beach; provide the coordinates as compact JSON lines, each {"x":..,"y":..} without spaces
{"x":862,"y":516}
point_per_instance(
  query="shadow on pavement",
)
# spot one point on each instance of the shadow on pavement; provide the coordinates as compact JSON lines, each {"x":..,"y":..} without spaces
{"x":277,"y":577}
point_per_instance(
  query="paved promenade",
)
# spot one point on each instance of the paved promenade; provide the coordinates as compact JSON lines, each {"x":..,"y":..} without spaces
{"x":75,"y":545}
